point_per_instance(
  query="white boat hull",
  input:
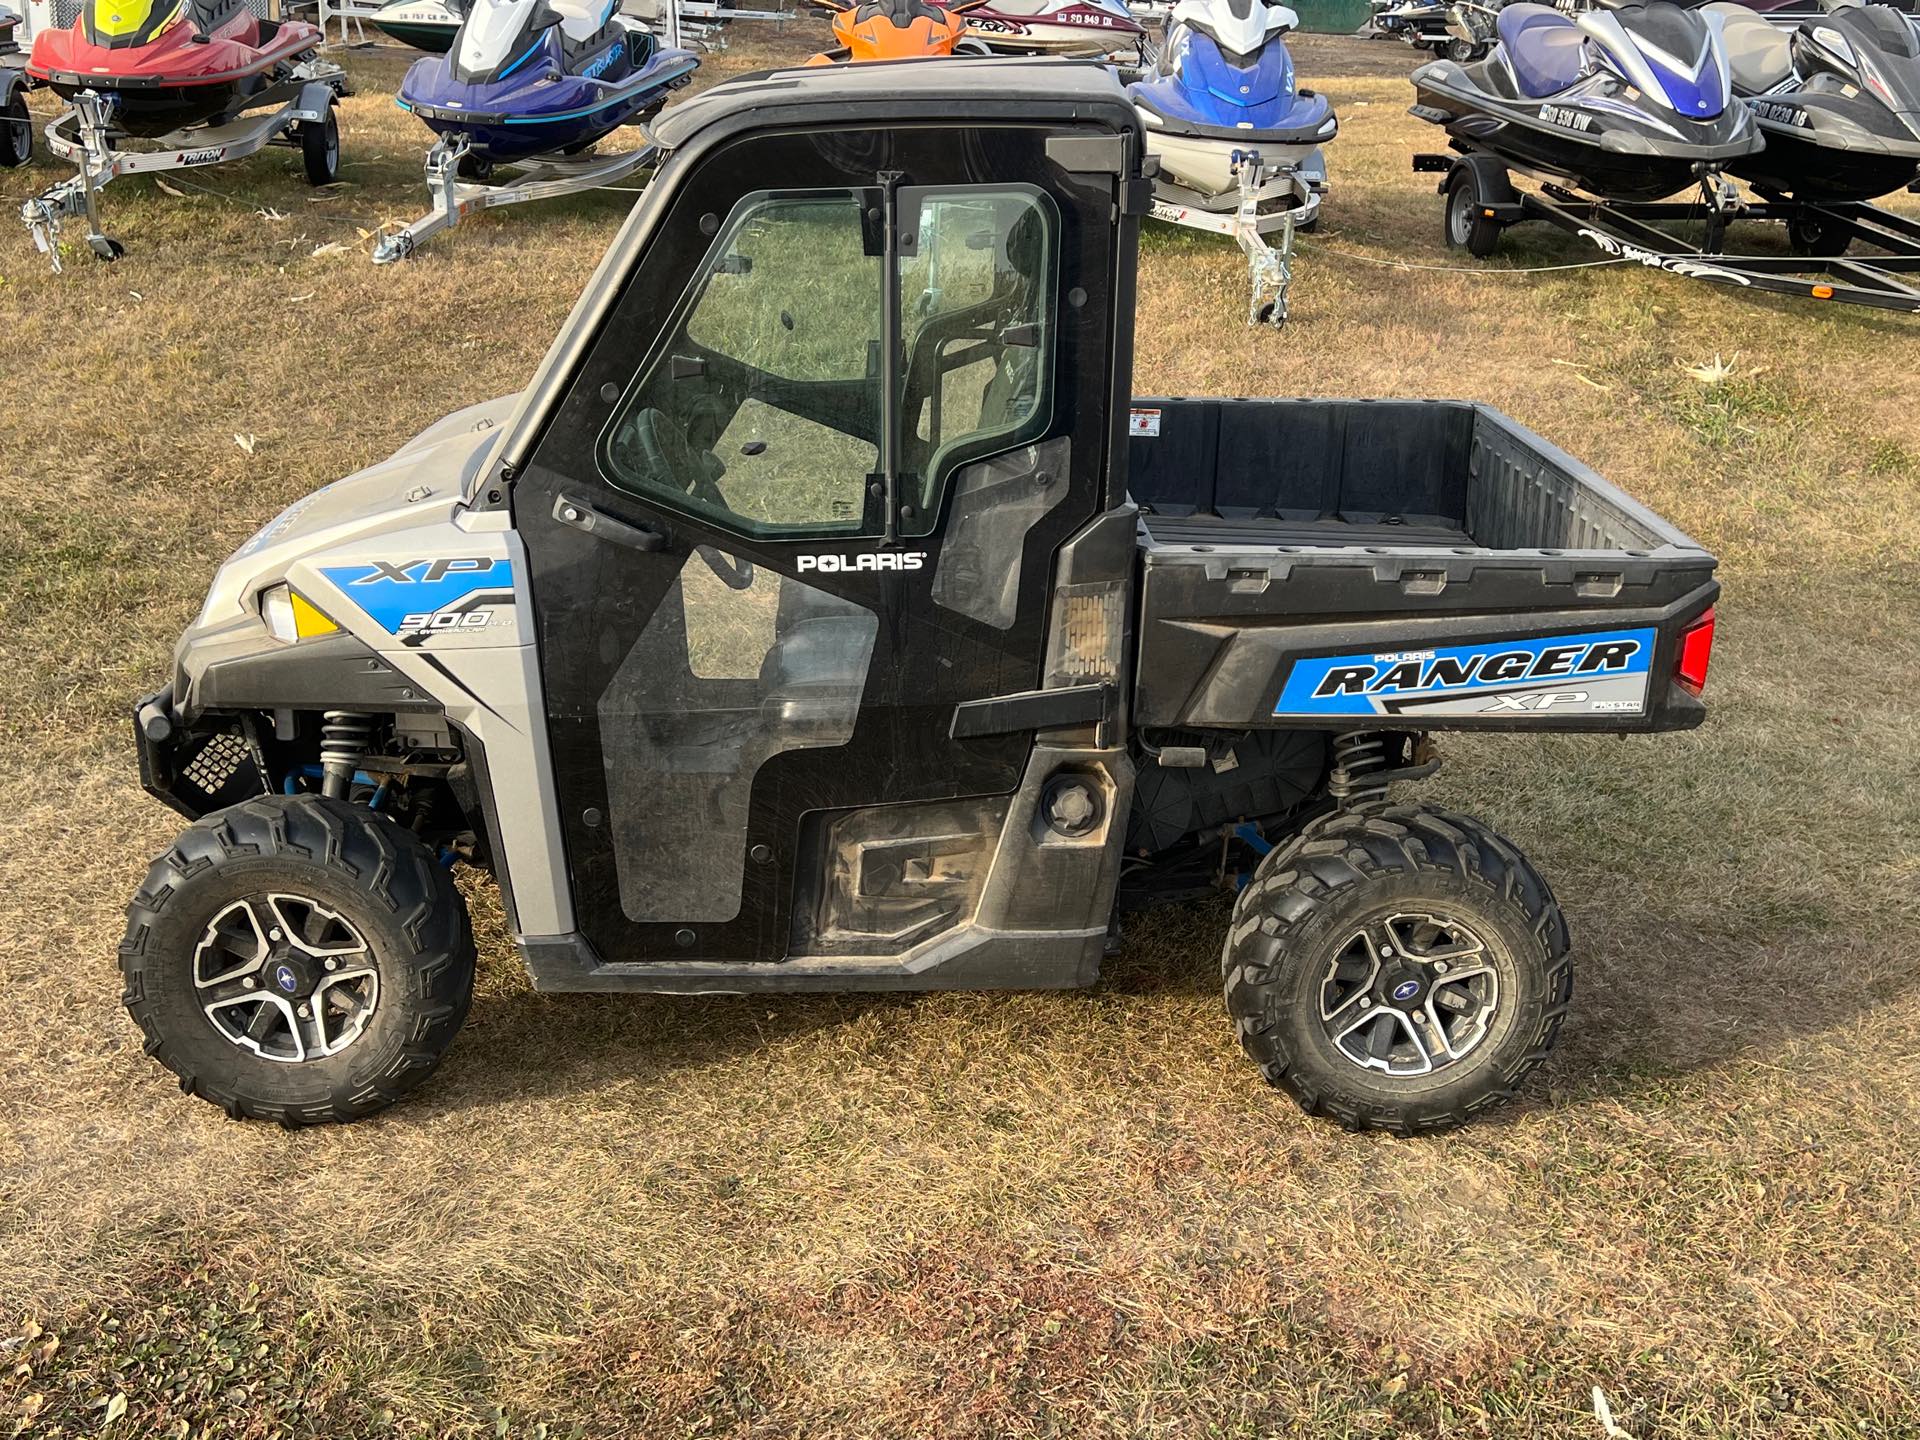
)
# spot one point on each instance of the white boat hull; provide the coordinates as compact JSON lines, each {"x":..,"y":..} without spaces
{"x":1205,"y":169}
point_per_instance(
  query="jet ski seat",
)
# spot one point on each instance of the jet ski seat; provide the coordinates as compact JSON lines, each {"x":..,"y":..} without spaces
{"x":581,"y":20}
{"x":1759,"y":53}
{"x":1543,"y":46}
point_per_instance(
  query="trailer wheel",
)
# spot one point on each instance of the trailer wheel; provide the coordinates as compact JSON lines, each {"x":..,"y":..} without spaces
{"x":1398,"y":968}
{"x":298,"y":959}
{"x":1817,"y":235}
{"x":320,"y":148}
{"x":1460,"y":51}
{"x":16,"y":132}
{"x":1468,"y":226}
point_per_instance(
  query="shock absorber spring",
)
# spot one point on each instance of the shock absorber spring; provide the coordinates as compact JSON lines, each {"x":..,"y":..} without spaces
{"x":1357,"y":757}
{"x":345,"y":738}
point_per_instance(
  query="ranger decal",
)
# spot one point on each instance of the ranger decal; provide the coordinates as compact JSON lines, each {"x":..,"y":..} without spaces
{"x":1586,"y":674}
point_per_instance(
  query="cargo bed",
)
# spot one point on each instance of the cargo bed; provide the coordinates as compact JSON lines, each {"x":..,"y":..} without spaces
{"x":1328,"y":562}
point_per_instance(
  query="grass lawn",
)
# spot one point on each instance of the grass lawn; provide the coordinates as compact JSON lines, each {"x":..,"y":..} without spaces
{"x":998,"y":1215}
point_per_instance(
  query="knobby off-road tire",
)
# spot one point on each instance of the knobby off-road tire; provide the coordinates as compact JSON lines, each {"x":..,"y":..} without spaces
{"x":1309,"y":924}
{"x":354,"y":883}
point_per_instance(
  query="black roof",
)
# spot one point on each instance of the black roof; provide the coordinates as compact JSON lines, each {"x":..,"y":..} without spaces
{"x":959,"y":88}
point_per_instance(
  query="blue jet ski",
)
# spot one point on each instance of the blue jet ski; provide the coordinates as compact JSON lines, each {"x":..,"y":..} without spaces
{"x":528,"y":78}
{"x":1626,"y":101}
{"x":1222,"y":90}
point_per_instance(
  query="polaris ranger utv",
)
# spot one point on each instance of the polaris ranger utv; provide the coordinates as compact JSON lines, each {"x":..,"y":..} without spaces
{"x":827,"y":614}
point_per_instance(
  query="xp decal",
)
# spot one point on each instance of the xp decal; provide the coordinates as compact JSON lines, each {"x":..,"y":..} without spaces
{"x":1587,"y":674}
{"x":438,"y":593}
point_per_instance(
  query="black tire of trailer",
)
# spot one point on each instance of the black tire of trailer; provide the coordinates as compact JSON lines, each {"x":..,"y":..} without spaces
{"x":368,"y":869}
{"x":1290,"y":920}
{"x":1461,"y":52}
{"x":1465,"y":222}
{"x":16,"y":132}
{"x":320,"y":148}
{"x":1814,"y":236}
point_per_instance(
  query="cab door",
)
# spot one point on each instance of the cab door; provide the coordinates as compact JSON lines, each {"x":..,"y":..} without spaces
{"x":799,"y":506}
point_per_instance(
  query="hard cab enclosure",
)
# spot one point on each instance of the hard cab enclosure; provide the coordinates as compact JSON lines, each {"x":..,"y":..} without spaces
{"x":794,"y":628}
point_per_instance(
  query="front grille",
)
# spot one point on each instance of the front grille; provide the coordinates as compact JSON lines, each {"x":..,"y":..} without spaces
{"x":220,"y":773}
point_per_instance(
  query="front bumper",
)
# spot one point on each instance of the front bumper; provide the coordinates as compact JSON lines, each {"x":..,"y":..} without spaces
{"x":193,"y":772}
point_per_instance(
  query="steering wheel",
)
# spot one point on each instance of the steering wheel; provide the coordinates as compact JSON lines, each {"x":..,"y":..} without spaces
{"x":666,"y":451}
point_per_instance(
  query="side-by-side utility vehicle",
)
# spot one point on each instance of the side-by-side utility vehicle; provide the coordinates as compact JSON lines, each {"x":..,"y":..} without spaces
{"x":828,"y":614}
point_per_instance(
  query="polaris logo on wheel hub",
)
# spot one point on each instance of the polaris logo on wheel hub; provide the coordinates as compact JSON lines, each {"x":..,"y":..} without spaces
{"x":884,"y":560}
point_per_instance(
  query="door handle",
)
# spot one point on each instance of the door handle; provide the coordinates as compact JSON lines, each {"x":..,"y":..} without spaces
{"x":602,"y":526}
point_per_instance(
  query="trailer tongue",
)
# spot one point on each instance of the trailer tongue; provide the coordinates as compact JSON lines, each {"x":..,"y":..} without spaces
{"x":828,"y":614}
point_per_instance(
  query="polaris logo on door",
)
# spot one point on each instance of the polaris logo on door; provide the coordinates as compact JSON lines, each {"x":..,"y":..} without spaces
{"x":1589,"y":674}
{"x":884,"y":560}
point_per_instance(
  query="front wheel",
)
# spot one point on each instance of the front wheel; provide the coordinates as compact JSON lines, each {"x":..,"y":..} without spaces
{"x":1398,"y":968}
{"x":298,"y":959}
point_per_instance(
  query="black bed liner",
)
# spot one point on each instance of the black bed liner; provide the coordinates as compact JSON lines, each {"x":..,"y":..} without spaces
{"x":1274,"y":531}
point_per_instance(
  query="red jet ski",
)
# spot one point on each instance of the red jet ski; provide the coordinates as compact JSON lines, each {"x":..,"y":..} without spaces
{"x":166,"y":64}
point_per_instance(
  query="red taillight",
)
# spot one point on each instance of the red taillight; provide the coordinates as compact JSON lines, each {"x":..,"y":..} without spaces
{"x":1696,"y":652}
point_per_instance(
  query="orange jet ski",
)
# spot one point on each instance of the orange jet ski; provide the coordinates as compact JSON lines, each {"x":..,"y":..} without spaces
{"x":892,"y":29}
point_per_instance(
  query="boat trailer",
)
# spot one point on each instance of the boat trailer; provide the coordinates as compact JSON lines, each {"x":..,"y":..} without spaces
{"x":85,"y":135}
{"x":1269,"y":267}
{"x":1819,"y":234}
{"x":543,"y":178}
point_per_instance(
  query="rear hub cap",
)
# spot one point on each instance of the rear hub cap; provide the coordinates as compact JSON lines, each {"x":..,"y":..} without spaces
{"x":286,"y":978}
{"x":1410,"y":994}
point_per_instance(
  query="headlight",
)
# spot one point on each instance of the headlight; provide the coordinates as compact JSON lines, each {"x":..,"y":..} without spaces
{"x":290,"y":616}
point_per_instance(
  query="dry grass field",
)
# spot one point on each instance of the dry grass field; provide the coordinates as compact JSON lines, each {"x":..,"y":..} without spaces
{"x":1000,"y":1215}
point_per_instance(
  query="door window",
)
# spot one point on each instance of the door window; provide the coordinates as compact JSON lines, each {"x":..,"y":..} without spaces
{"x":761,"y":407}
{"x":977,"y":320}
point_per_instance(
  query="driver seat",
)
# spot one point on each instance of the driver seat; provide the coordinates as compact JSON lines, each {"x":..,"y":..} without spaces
{"x":1543,"y":47}
{"x":1759,"y":53}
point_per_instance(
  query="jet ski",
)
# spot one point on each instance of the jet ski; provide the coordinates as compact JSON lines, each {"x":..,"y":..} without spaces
{"x":1222,"y":89}
{"x":1087,"y":29}
{"x":892,"y":29}
{"x":1838,"y":100}
{"x":1628,"y":102}
{"x":529,"y":78}
{"x":164,"y":65}
{"x":427,"y":25}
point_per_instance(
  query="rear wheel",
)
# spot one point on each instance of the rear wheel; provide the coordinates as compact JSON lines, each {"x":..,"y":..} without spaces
{"x":1468,"y":226}
{"x":298,"y":959}
{"x":16,"y":132}
{"x":1397,"y":968}
{"x":1817,"y":235}
{"x":1461,"y":51}
{"x":320,"y":149}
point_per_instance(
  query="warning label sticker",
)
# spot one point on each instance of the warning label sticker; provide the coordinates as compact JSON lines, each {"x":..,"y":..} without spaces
{"x":1143,"y":422}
